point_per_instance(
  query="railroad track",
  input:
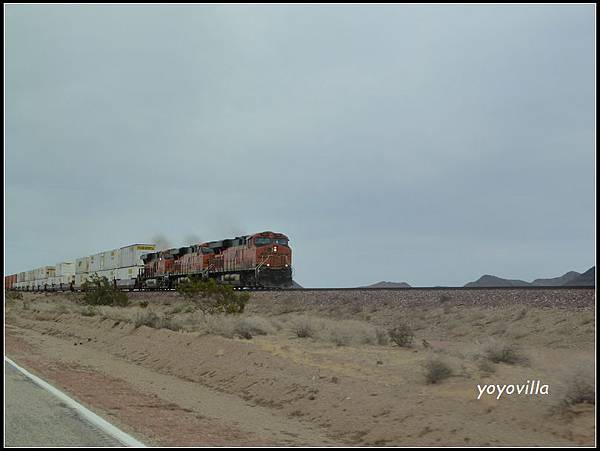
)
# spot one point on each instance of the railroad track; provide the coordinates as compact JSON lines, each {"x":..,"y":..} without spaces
{"x":560,"y":287}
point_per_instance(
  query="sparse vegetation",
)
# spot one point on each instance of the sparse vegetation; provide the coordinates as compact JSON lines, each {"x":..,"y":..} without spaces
{"x":12,"y":295}
{"x":502,"y":352}
{"x":151,"y":319}
{"x":580,"y":388}
{"x":383,"y":338}
{"x":143,"y":304}
{"x":402,"y":334}
{"x":436,"y":370}
{"x":212,"y":297}
{"x":304,"y":327}
{"x":90,"y":311}
{"x":99,"y":291}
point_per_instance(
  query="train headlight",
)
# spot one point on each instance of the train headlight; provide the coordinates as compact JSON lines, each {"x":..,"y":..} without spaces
{"x":275,"y":249}
{"x":268,"y":264}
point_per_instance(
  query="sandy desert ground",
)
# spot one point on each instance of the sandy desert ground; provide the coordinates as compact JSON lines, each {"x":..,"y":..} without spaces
{"x":310,"y":368}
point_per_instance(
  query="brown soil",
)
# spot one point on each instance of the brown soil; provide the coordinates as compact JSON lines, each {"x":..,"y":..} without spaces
{"x":188,"y":387}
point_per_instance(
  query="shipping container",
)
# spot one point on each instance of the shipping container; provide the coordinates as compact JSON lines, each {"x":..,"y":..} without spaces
{"x":64,"y":269}
{"x":109,"y":274}
{"x":94,"y":263}
{"x":82,"y":265}
{"x":111,"y":259}
{"x":126,"y":277}
{"x":130,"y":256}
{"x":130,"y":272}
{"x":10,"y":281}
{"x":44,"y":272}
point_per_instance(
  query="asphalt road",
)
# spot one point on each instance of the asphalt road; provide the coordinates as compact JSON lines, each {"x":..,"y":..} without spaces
{"x":34,"y":417}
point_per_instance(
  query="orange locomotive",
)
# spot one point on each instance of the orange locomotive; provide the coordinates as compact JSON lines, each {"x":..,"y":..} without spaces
{"x":259,"y":260}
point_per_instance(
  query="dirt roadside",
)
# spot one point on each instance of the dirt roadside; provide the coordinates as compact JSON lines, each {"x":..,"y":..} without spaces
{"x":191,"y":388}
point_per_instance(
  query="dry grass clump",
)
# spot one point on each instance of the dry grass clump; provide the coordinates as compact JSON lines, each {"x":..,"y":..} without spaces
{"x":579,"y":388}
{"x":486,"y":367}
{"x":305,"y":326}
{"x":12,"y":295}
{"x":339,"y":332}
{"x":151,"y":319}
{"x":89,"y":311}
{"x":503,"y":352}
{"x":248,"y":327}
{"x":231,"y":326}
{"x":402,"y":334}
{"x":436,"y":370}
{"x":349,"y":332}
{"x":382,"y":335}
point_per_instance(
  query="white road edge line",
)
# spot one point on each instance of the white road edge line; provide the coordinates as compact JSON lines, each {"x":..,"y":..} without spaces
{"x":90,"y":416}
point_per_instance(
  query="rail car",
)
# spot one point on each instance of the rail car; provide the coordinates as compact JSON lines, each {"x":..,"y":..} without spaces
{"x":261,"y":260}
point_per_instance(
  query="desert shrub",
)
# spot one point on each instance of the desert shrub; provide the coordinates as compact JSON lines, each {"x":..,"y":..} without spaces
{"x":90,"y":310}
{"x":212,"y":297}
{"x":304,"y":327}
{"x":501,"y":352}
{"x":44,"y":316}
{"x":402,"y":334}
{"x":151,"y":319}
{"x":344,"y":333}
{"x":252,"y":326}
{"x":382,"y":336}
{"x":143,"y":304}
{"x":436,"y":370}
{"x":340,"y":336}
{"x":12,"y":295}
{"x":99,"y":291}
{"x":579,"y":388}
{"x":168,"y":322}
{"x":485,"y":366}
{"x":221,"y":325}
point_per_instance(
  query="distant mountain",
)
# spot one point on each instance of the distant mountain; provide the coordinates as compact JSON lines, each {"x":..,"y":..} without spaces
{"x":557,"y":281}
{"x":296,"y":284}
{"x":588,"y":278}
{"x":493,"y":281}
{"x":384,"y":284}
{"x":572,"y":278}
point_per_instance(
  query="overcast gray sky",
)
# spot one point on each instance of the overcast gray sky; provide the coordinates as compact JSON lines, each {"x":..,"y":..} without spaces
{"x":407,"y":143}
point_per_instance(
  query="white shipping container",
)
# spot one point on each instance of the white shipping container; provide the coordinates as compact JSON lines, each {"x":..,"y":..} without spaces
{"x":111,"y":259}
{"x":44,"y":272}
{"x":30,"y":275}
{"x":21,"y":277}
{"x":128,"y":273}
{"x":97,"y":262}
{"x":108,"y":274}
{"x":131,"y":255}
{"x":94,"y":263}
{"x":64,"y":280}
{"x":82,"y":265}
{"x":64,"y":269}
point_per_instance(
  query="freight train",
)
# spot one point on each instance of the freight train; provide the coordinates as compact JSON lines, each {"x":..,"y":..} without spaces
{"x":261,"y":260}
